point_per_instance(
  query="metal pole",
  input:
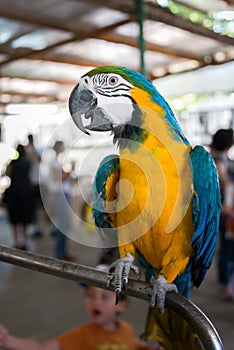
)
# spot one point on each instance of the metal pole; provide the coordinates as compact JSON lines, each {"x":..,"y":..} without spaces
{"x":140,"y":13}
{"x":139,"y":289}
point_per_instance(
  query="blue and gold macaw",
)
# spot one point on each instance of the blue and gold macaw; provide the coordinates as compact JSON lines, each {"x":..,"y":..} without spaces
{"x":158,"y":200}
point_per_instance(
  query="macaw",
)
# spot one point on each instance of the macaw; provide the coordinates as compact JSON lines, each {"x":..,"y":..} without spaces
{"x":158,"y":200}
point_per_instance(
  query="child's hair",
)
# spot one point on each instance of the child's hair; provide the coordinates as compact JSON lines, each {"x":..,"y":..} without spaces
{"x":109,"y":256}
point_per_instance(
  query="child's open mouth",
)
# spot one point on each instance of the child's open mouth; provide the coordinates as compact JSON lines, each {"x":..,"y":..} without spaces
{"x":96,"y":312}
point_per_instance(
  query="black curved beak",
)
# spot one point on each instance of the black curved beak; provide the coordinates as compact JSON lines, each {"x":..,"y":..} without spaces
{"x":85,"y":112}
{"x":81,"y":101}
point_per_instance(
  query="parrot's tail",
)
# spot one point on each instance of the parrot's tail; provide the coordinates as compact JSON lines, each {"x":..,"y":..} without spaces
{"x":171,"y":331}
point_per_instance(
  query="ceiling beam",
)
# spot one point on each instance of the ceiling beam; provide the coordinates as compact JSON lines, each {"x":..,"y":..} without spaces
{"x":26,"y":95}
{"x":24,"y":52}
{"x":18,"y":13}
{"x":167,"y":72}
{"x":190,"y":6}
{"x":39,"y":79}
{"x":77,"y":61}
{"x":229,"y":2}
{"x":156,"y":13}
{"x":6,"y":46}
{"x":37,"y":20}
{"x":130,"y":41}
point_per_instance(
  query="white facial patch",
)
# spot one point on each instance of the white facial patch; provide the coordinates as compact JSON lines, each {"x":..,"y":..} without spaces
{"x":119,"y":109}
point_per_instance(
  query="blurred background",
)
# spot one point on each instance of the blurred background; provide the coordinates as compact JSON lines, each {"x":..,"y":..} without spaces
{"x":185,"y":47}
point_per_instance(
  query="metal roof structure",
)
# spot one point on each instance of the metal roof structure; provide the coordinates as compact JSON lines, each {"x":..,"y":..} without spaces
{"x":46,"y":45}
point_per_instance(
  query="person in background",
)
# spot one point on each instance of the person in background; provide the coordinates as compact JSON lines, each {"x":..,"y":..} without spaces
{"x":60,"y":197}
{"x":103,"y":330}
{"x":19,"y":198}
{"x":221,"y":143}
{"x":34,"y":156}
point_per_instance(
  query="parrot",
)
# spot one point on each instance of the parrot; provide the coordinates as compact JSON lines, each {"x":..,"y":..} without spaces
{"x":157,"y":200}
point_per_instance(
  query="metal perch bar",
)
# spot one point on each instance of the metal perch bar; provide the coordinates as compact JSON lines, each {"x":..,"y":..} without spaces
{"x":136,"y":288}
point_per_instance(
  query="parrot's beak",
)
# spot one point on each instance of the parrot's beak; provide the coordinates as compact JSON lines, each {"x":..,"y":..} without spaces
{"x":85,"y":112}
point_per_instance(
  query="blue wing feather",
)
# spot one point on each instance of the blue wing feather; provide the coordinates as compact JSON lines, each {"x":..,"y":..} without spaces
{"x":102,"y":218}
{"x":206,"y":211}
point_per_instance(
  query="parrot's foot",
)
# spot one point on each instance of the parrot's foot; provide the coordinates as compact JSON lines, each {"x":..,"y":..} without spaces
{"x":121,"y":272}
{"x":159,"y":291}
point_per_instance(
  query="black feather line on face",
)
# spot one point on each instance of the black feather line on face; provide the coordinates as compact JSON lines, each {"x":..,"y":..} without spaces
{"x":131,"y":131}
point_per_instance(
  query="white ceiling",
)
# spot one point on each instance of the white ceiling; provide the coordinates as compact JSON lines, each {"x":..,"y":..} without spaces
{"x":46,"y":45}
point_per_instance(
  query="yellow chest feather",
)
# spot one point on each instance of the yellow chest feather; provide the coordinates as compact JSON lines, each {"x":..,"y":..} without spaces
{"x":154,"y":203}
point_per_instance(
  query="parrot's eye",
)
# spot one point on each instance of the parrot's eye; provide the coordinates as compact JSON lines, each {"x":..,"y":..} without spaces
{"x":113,"y":80}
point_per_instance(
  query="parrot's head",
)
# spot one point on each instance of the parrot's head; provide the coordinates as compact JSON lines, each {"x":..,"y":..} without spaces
{"x":104,"y":100}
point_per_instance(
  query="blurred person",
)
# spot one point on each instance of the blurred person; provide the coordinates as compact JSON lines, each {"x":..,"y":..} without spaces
{"x":34,"y":156}
{"x":60,"y":199}
{"x":221,"y":143}
{"x":19,"y":198}
{"x":103,"y":330}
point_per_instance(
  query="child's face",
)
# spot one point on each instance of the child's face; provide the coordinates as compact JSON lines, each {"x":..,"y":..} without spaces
{"x":101,"y":308}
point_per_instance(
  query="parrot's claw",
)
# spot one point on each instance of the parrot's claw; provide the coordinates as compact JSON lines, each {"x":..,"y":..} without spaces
{"x":117,"y":297}
{"x":110,"y":277}
{"x":121,"y":269}
{"x":159,"y":291}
